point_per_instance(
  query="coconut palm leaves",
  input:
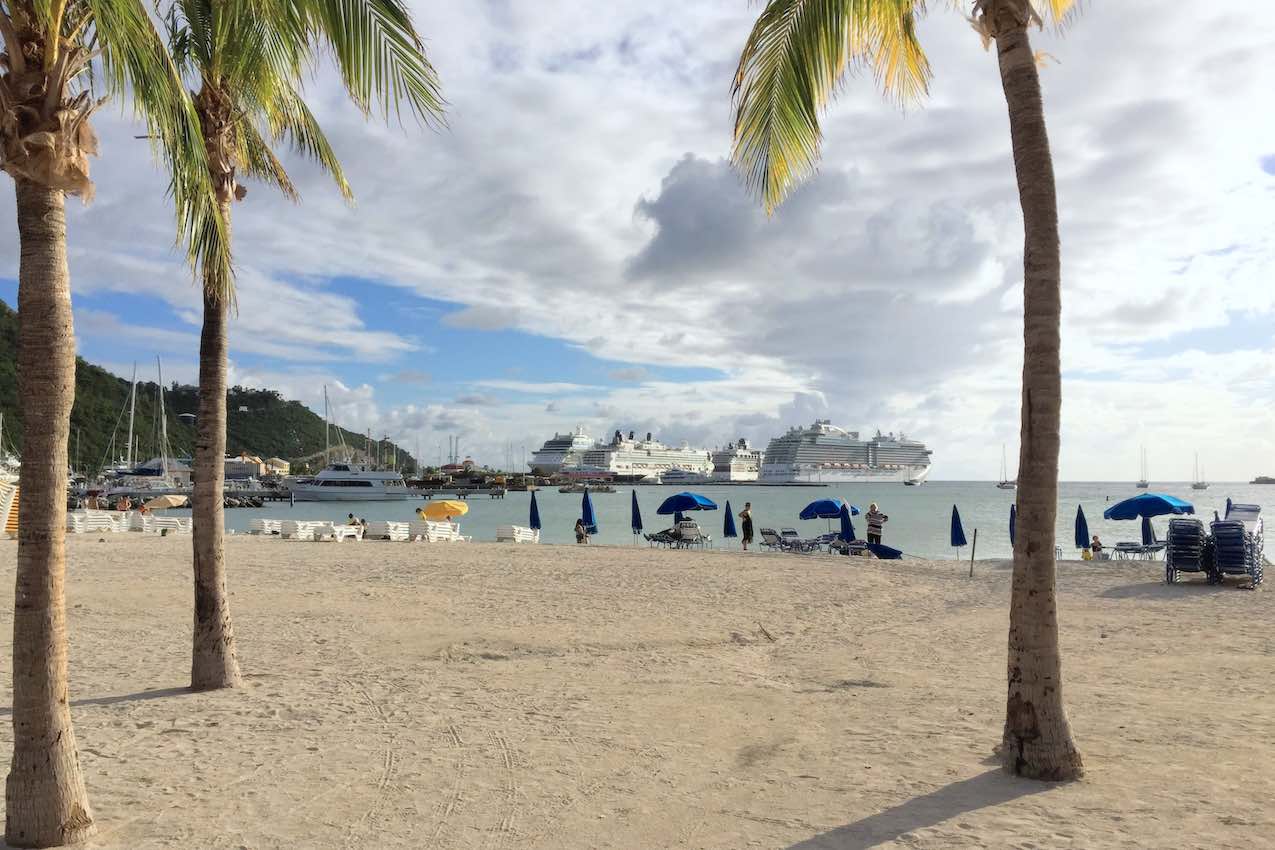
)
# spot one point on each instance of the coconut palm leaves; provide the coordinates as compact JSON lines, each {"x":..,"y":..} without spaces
{"x":250,"y":59}
{"x":800,"y":52}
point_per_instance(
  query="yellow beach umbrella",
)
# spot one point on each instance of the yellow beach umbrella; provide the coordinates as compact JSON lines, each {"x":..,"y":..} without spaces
{"x":444,"y":509}
{"x":159,"y":503}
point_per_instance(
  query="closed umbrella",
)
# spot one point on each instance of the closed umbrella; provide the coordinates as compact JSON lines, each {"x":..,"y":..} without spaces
{"x":846,"y":534}
{"x":728,"y":524}
{"x":1228,"y":507}
{"x":586,"y":513}
{"x":534,"y":520}
{"x":1082,"y":529}
{"x":635,"y":522}
{"x":1013,"y":523}
{"x":1148,"y":533}
{"x":958,"y":533}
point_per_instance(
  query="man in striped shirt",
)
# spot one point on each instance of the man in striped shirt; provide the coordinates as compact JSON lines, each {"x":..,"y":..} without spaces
{"x":876,"y":520}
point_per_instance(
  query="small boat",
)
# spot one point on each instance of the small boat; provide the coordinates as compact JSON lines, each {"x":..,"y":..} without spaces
{"x":1198,"y":482}
{"x":913,"y":482}
{"x":1005,"y":483}
{"x":581,"y":486}
{"x":684,"y":476}
{"x":1142,"y":483}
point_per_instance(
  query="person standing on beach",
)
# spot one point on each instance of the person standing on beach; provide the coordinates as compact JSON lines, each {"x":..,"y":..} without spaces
{"x":876,"y":523}
{"x":746,"y":524}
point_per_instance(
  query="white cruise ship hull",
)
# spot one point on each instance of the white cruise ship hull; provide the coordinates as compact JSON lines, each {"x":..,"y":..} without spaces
{"x":309,"y":493}
{"x":834,"y":475}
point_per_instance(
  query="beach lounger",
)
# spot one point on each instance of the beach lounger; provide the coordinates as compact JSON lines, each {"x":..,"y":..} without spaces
{"x":795,"y":542}
{"x":516,"y":534}
{"x":258,"y":525}
{"x":337,"y":533}
{"x":429,"y":531}
{"x":97,"y":522}
{"x":299,"y":529}
{"x":689,"y":534}
{"x":1238,"y":544}
{"x":1187,"y":550}
{"x":770,"y":539}
{"x":661,"y":538}
{"x":383,"y":530}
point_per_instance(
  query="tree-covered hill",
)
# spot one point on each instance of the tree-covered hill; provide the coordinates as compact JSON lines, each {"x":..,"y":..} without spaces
{"x":259,"y":422}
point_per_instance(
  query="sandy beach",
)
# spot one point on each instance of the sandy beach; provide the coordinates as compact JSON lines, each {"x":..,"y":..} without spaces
{"x":486,"y":696}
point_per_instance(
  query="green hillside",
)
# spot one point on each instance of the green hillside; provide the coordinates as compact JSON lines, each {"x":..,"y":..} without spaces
{"x":259,"y":422}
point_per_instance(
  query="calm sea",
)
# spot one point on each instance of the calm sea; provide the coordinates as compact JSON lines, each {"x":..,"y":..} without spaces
{"x":919,"y":516}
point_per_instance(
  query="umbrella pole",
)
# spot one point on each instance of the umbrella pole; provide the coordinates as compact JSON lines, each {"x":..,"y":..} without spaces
{"x":973,"y":549}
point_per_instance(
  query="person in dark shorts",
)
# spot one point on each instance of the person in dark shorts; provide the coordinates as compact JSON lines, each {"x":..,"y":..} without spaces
{"x":876,"y":521}
{"x":746,"y":524}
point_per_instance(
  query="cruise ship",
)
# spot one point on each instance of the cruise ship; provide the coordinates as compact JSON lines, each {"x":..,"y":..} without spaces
{"x":737,"y":462}
{"x":351,"y":482}
{"x":558,"y":450}
{"x":631,"y":459}
{"x":824,"y":453}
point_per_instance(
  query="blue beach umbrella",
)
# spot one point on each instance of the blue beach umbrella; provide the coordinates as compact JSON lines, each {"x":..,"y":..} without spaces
{"x":847,"y":527}
{"x":958,"y":533}
{"x":825,"y":509}
{"x":1148,"y":533}
{"x":534,"y":520}
{"x":1082,"y":529}
{"x":682,"y":502}
{"x":586,"y":513}
{"x":1013,"y":523}
{"x":635,"y":522}
{"x":1148,"y":505}
{"x":728,"y":524}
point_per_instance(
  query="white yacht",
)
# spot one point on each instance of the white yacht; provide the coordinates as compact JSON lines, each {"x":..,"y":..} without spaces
{"x":558,"y":450}
{"x":351,"y":482}
{"x":679,"y":477}
{"x":824,"y":453}
{"x":737,"y":462}
{"x":631,"y":459}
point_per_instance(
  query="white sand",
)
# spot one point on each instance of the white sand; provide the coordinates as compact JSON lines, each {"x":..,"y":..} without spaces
{"x":480,"y":696}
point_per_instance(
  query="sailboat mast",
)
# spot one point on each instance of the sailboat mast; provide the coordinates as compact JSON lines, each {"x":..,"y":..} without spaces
{"x":132,"y":408}
{"x":327,"y":429}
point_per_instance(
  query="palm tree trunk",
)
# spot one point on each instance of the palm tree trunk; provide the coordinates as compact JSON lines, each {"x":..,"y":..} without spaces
{"x":214,"y":663}
{"x":1037,"y":739}
{"x":45,"y":798}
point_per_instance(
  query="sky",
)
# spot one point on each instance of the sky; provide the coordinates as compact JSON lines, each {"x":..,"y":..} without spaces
{"x":573,"y":248}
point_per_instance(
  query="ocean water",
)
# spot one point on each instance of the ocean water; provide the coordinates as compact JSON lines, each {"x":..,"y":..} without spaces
{"x":919,"y":516}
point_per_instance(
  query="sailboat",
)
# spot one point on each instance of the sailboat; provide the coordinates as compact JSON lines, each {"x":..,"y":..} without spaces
{"x":1005,"y":483}
{"x":1142,"y":482}
{"x":1198,"y":482}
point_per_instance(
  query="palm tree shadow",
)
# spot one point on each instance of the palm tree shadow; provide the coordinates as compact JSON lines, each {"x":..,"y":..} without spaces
{"x":156,"y":693}
{"x":987,"y":789}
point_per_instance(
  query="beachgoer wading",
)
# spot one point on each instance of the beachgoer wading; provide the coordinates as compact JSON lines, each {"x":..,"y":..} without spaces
{"x":876,"y":523}
{"x":746,"y":524}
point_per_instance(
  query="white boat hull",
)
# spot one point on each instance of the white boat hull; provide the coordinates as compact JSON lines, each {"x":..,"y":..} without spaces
{"x":304,"y":493}
{"x":835,"y":475}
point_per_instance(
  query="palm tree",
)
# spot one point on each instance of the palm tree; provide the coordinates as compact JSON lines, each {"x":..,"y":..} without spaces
{"x":249,"y":58}
{"x":59,"y":54}
{"x":796,"y":56}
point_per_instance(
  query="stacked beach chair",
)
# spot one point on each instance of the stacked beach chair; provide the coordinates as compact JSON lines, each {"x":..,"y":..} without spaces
{"x":429,"y":531}
{"x":9,"y":508}
{"x":291,"y":529}
{"x":1188,"y":549}
{"x":516,"y":534}
{"x":1237,"y":544}
{"x":153,"y":524}
{"x":96,"y":522}
{"x":265,"y":526}
{"x":382,"y":530}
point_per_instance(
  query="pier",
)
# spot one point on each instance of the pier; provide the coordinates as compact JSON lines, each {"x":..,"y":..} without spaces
{"x":459,"y":492}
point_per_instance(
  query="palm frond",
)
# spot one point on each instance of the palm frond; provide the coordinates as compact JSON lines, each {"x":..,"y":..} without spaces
{"x":290,"y":119}
{"x":795,"y":58}
{"x":134,"y":59}
{"x":380,"y":56}
{"x":260,"y":162}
